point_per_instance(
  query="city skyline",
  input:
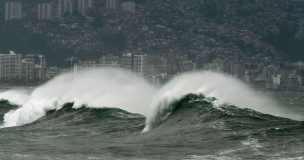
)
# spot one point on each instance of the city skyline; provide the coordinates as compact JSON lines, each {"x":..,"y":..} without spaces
{"x":171,"y":47}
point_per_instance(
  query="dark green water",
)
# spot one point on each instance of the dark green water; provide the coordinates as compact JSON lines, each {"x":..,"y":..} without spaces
{"x":194,"y":130}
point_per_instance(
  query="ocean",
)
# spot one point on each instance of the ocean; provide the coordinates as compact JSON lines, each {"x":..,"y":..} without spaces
{"x":114,"y":114}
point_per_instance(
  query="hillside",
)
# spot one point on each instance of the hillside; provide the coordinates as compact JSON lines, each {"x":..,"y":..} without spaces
{"x":251,"y":31}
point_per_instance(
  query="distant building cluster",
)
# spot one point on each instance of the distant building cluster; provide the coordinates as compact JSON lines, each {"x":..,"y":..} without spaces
{"x":130,"y":61}
{"x":68,"y":6}
{"x":13,"y":10}
{"x":264,"y":78}
{"x":159,"y":69}
{"x":156,"y":69}
{"x":13,"y":66}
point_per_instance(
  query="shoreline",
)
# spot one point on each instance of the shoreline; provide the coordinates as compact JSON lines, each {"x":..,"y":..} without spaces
{"x":14,"y":86}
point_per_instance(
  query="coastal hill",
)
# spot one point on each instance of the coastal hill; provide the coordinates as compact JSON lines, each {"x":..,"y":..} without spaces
{"x":252,"y":31}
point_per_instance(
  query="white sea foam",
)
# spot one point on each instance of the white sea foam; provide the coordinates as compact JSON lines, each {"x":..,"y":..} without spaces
{"x":122,"y":89}
{"x":223,"y":87}
{"x":94,"y":88}
{"x":15,"y":96}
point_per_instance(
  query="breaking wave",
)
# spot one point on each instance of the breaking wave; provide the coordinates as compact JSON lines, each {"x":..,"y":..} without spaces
{"x":105,"y":119}
{"x":225,"y":89}
{"x":112,"y":88}
{"x":95,"y":88}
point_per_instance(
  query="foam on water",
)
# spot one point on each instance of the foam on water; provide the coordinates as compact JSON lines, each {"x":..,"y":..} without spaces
{"x":94,"y":88}
{"x":124,"y":90}
{"x":224,"y":88}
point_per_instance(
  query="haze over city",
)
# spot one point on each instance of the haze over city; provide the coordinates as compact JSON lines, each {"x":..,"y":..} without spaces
{"x":157,"y":39}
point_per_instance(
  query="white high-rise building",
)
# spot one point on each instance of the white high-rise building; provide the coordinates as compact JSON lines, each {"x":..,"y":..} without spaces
{"x":109,"y":59}
{"x":112,"y":4}
{"x":140,"y":65}
{"x":128,"y":6}
{"x":68,"y":6}
{"x":45,"y":11}
{"x":127,"y":61}
{"x":83,"y":5}
{"x":49,"y":11}
{"x":13,"y":10}
{"x":65,"y":6}
{"x":135,"y":63}
{"x":90,"y":3}
{"x":10,"y":65}
{"x":40,"y":13}
{"x":39,"y":64}
{"x":37,"y":60}
{"x":59,"y":10}
{"x":28,"y":70}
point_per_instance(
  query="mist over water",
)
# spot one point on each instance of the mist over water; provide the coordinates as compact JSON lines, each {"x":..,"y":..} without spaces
{"x":121,"y":89}
{"x":94,"y":88}
{"x":226,"y":89}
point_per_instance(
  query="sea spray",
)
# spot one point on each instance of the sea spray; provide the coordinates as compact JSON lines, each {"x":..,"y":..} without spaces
{"x":94,"y":88}
{"x":16,"y":96}
{"x":122,"y":89}
{"x":224,"y":88}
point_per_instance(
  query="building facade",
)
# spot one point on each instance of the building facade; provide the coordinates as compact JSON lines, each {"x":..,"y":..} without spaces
{"x":28,"y":70}
{"x":34,"y":66}
{"x":135,"y":63}
{"x":127,"y":61}
{"x":45,"y":11}
{"x":40,"y":73}
{"x":13,"y":10}
{"x":109,"y":59}
{"x":112,"y":4}
{"x":83,"y":5}
{"x":92,"y":65}
{"x":128,"y":6}
{"x":140,"y":65}
{"x":10,"y":66}
{"x":65,"y":6}
{"x":37,"y":60}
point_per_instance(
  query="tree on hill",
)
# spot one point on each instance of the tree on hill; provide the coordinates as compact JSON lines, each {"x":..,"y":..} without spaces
{"x":76,"y":13}
{"x":97,"y":22}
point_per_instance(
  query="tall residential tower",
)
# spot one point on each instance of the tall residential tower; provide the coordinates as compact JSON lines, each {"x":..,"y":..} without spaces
{"x":45,"y":11}
{"x":83,"y":5}
{"x":128,"y":6}
{"x":13,"y":10}
{"x":112,"y":4}
{"x":65,"y":6}
{"x":10,"y":65}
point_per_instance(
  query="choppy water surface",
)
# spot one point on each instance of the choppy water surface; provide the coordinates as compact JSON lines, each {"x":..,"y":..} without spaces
{"x":116,"y":115}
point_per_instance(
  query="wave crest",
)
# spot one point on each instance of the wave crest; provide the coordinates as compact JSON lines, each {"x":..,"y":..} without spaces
{"x":114,"y":88}
{"x":95,"y":88}
{"x":224,"y":88}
